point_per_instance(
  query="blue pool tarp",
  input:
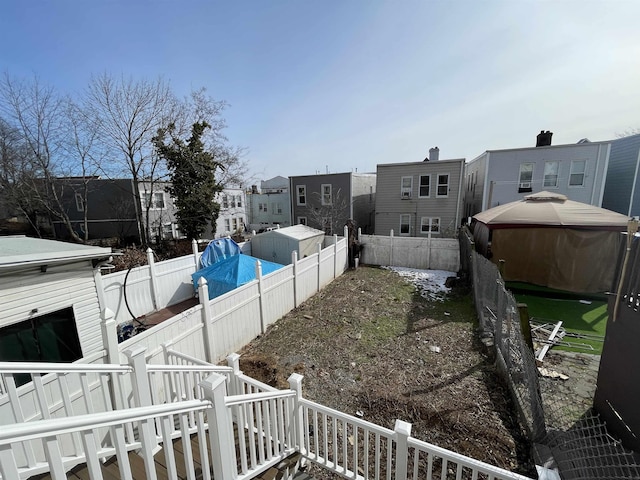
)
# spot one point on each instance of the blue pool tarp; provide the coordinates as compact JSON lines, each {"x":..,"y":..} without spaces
{"x":232,"y":272}
{"x":218,"y":249}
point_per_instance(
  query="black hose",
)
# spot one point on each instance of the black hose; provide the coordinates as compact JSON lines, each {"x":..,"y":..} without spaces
{"x":124,"y":293}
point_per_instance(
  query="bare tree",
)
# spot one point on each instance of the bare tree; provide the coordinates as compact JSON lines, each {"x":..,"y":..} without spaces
{"x":332,"y":214}
{"x":130,"y":113}
{"x":37,"y":113}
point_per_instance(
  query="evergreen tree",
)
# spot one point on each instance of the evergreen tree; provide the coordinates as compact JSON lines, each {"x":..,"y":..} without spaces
{"x":192,"y":172}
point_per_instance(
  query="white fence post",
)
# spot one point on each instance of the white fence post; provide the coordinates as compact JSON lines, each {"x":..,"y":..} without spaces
{"x":391,"y":248}
{"x":295,"y":383}
{"x":403,"y":432}
{"x":260,"y":296}
{"x":294,"y":262}
{"x":203,"y":296}
{"x":220,"y":428}
{"x":429,"y":247}
{"x":142,"y":396}
{"x":154,"y":280}
{"x":319,"y":252}
{"x":110,"y":342}
{"x":194,"y":249}
{"x":233,"y":361}
{"x":335,"y":256}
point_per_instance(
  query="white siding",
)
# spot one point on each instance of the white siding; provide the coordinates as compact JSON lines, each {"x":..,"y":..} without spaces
{"x":61,"y":286}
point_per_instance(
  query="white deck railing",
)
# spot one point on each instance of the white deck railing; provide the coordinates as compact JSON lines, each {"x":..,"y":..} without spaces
{"x":251,"y":426}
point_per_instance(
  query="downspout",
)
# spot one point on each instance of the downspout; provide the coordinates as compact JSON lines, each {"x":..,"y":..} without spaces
{"x":595,"y":176}
{"x":633,"y":185}
{"x":459,"y":197}
{"x":484,"y":206}
{"x":291,"y":195}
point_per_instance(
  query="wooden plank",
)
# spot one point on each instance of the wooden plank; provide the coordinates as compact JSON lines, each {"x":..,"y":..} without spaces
{"x":546,"y":347}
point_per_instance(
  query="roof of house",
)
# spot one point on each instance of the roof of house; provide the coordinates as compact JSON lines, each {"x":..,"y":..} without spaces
{"x":550,"y":209}
{"x":422,"y":162}
{"x":18,"y":250}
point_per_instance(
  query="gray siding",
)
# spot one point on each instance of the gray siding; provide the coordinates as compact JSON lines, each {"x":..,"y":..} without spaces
{"x":347,"y":203}
{"x":623,"y":176}
{"x":259,"y":218}
{"x":390,"y":204}
{"x":363,"y":201}
{"x":474,"y":185}
{"x":61,"y":286}
{"x":504,"y":169}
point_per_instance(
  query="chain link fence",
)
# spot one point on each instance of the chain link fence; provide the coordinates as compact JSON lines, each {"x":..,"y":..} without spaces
{"x":579,"y":446}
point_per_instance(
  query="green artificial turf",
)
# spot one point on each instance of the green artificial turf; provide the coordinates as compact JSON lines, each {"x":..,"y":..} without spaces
{"x":576,"y":317}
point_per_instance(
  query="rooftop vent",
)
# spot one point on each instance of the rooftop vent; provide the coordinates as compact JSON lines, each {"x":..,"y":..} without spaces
{"x":544,"y":138}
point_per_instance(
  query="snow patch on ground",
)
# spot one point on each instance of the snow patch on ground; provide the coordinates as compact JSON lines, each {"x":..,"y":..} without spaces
{"x":430,"y":283}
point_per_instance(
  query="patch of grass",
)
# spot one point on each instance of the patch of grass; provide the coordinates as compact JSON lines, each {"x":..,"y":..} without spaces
{"x":576,"y":317}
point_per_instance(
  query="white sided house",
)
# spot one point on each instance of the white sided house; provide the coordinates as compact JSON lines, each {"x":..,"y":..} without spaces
{"x":496,"y":177}
{"x":49,"y":302}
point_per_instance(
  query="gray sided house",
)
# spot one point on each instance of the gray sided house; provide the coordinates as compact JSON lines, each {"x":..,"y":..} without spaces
{"x":327,"y":201}
{"x":49,"y":299}
{"x":269,"y":207}
{"x":418,"y":198}
{"x":497,"y":177}
{"x":109,"y":208}
{"x":622,"y":188}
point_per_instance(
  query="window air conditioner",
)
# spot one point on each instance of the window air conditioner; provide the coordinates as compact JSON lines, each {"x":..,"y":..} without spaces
{"x":525,"y":184}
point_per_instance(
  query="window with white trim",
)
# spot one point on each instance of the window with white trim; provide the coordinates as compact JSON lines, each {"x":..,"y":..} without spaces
{"x":276,"y":208}
{"x":406,"y":187}
{"x":153,"y":202}
{"x":550,"y":174}
{"x":326,"y":194}
{"x":239,"y":201}
{"x":167,"y":230}
{"x":302,"y":220}
{"x":443,"y":185}
{"x":576,"y":175}
{"x":405,"y":224}
{"x":525,"y":177}
{"x":262,"y":207}
{"x":225,"y":201}
{"x":424,"y":225}
{"x":301,"y":194}
{"x":425,"y":185}
{"x":79,"y":202}
{"x":234,"y":224}
{"x":227,"y":225}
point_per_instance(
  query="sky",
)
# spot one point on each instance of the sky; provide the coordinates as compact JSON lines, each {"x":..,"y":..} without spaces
{"x":316,"y":86}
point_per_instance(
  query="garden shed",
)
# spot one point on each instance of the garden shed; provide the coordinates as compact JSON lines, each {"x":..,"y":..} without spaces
{"x":278,"y":244}
{"x":548,"y":240}
{"x":49,"y":300}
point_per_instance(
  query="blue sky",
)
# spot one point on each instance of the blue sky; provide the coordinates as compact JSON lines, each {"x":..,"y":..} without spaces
{"x":341,"y":85}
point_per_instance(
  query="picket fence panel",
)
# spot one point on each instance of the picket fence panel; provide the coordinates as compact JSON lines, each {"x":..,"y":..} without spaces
{"x":174,"y":280}
{"x":277,"y":290}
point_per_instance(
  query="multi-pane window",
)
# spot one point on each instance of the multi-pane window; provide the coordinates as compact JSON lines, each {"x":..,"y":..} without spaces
{"x":302,"y":220}
{"x":234,"y":224}
{"x":326,"y":194}
{"x":227,"y":225}
{"x":425,"y":184}
{"x":154,"y":202}
{"x":424,"y":225}
{"x":525,"y":177}
{"x":79,"y":202}
{"x":443,"y":185}
{"x":276,"y":208}
{"x":550,"y":174}
{"x":239,"y":201}
{"x":167,"y":230}
{"x":405,"y":224}
{"x":406,"y":186}
{"x":301,"y":192}
{"x":576,"y":176}
{"x":225,"y":202}
{"x":262,"y":207}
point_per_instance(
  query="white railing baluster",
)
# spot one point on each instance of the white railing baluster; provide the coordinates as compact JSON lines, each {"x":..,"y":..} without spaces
{"x":54,"y":458}
{"x":355,"y":449}
{"x":68,"y":409}
{"x":119,"y":443}
{"x":251,"y":431}
{"x":429,"y":466}
{"x":166,"y":427}
{"x":91,"y":455}
{"x":334,"y":446}
{"x":416,"y":463}
{"x":202,"y":444}
{"x":390,"y":457}
{"x":242,"y":447}
{"x":377,"y":456}
{"x":8,"y":466}
{"x":443,"y":471}
{"x":325,"y":437}
{"x":365,"y":455}
{"x":260,"y":437}
{"x":18,"y":416}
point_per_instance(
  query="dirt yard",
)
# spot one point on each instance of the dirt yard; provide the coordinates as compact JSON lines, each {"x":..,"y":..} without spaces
{"x":370,"y":343}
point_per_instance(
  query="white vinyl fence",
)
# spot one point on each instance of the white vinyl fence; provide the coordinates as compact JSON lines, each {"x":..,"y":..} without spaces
{"x":214,"y":328}
{"x":412,"y":252}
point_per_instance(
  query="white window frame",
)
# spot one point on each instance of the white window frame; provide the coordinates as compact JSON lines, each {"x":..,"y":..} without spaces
{"x":304,"y":195}
{"x":225,"y":201}
{"x":551,"y":175}
{"x":525,"y":185}
{"x":262,"y":207}
{"x":239,"y":201}
{"x":406,"y":190}
{"x":151,"y":200}
{"x":276,"y":208}
{"x":234,"y":224}
{"x":227,"y":225}
{"x":428,"y":186}
{"x":435,"y":225}
{"x":572,"y":172}
{"x":302,"y":221}
{"x":405,"y":216}
{"x":79,"y":202}
{"x":167,"y":231}
{"x":326,"y":194}
{"x":445,"y":185}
